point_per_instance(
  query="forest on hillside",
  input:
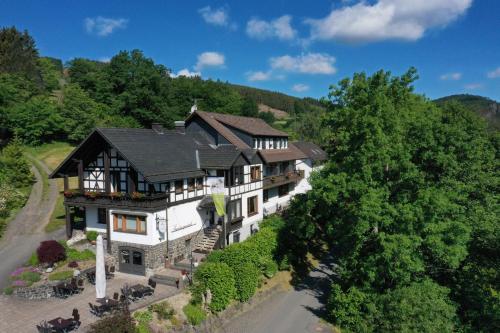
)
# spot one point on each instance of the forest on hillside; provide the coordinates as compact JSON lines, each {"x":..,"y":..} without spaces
{"x":42,"y":99}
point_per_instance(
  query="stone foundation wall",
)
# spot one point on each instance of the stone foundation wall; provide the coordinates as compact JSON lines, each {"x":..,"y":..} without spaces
{"x":177,"y":248}
{"x":154,"y":255}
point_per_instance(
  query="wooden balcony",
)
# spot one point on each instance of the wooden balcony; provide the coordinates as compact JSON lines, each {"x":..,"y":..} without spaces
{"x":147,"y":202}
{"x":290,"y":177}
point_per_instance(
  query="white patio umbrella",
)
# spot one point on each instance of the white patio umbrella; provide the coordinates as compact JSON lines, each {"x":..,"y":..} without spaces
{"x":100,"y":270}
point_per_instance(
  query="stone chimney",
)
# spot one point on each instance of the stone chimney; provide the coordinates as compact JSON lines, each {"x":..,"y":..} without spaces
{"x":158,"y":128}
{"x":180,"y":126}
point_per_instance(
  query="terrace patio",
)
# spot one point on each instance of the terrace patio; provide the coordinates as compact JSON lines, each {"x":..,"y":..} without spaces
{"x":21,"y":315}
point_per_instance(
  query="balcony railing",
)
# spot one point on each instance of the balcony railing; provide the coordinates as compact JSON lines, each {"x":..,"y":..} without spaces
{"x":117,"y":200}
{"x":289,"y":177}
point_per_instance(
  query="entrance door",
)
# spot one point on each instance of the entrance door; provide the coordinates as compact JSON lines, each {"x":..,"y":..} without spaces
{"x":132,"y":260}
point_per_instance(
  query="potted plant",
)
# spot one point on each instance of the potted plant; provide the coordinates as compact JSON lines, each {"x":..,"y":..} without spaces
{"x":91,"y":195}
{"x":115,"y":195}
{"x":137,"y":195}
{"x":68,"y":194}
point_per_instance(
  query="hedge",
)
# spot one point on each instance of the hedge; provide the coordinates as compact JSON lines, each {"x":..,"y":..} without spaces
{"x":247,"y":278}
{"x":219,"y":279}
{"x":243,"y":264}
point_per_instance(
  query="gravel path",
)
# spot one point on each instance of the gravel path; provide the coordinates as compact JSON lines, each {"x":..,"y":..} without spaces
{"x":295,"y":311}
{"x":26,"y":230}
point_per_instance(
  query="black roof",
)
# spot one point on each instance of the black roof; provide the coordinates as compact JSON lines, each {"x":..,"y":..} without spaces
{"x":159,"y":157}
{"x":313,"y":151}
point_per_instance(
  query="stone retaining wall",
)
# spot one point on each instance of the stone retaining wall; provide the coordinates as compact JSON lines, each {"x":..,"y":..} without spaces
{"x":214,"y":322}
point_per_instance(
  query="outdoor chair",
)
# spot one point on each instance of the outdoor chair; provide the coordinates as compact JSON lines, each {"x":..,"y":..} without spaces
{"x":91,"y":277}
{"x":59,"y":293}
{"x":115,"y":296}
{"x":44,"y":327}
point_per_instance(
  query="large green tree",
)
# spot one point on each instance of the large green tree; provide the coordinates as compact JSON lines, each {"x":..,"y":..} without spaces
{"x":399,"y":200}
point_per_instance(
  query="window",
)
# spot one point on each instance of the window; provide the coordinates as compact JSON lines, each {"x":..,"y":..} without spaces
{"x":283,"y":190}
{"x":199,"y":184}
{"x":179,"y":186}
{"x":191,"y":184}
{"x":101,"y":215}
{"x":234,"y":209}
{"x":266,"y":195}
{"x":278,"y":145}
{"x":236,"y":237}
{"x":161,"y":188}
{"x":254,"y":173}
{"x":252,"y":208}
{"x":129,"y":223}
{"x":256,"y":143}
{"x":238,"y":175}
{"x":271,"y":143}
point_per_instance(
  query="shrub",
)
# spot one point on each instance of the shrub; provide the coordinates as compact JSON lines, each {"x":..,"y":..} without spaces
{"x":143,"y":319}
{"x":163,"y":310}
{"x":92,"y":235}
{"x":73,"y":264}
{"x":247,"y":278}
{"x":268,"y":267}
{"x":50,"y":252}
{"x":29,"y":276}
{"x":75,"y":255}
{"x":119,"y":322}
{"x":33,"y":260}
{"x":219,"y":279}
{"x":265,"y":242}
{"x":194,"y":314}
{"x":62,"y":275}
{"x":8,"y":291}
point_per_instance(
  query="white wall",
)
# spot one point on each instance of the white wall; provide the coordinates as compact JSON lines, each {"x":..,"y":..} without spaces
{"x":303,"y":186}
{"x":91,"y":220}
{"x":184,"y":219}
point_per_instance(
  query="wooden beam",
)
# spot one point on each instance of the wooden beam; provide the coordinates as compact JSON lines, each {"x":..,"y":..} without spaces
{"x":69,"y":227}
{"x":80,"y":175}
{"x":107,"y":180}
{"x":66,"y":183}
{"x":108,"y":231}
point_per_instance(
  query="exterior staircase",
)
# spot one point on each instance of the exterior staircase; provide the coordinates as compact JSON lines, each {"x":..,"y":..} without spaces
{"x":210,"y":238}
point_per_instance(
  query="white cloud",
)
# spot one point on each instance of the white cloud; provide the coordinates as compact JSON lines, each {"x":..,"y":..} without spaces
{"x":494,"y":74}
{"x":473,"y":86}
{"x":258,"y":76}
{"x":104,"y":59}
{"x":300,"y":87}
{"x":451,"y":76}
{"x":103,"y":26}
{"x":185,"y":72}
{"x":280,"y":28}
{"x":311,"y":63}
{"x":219,"y":16}
{"x":209,"y":59}
{"x":386,"y":19}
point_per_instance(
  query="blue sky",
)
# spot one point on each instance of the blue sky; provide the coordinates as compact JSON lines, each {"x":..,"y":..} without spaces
{"x":296,"y":47}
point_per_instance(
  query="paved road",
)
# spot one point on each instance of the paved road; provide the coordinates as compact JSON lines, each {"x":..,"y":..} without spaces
{"x":26,"y":230}
{"x":295,"y":311}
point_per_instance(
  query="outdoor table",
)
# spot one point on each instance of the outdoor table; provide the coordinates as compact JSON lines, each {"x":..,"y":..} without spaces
{"x":61,"y":323}
{"x":108,"y":301}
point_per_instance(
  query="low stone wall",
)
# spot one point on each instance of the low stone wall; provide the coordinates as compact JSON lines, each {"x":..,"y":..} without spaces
{"x":35,"y":293}
{"x":43,"y":291}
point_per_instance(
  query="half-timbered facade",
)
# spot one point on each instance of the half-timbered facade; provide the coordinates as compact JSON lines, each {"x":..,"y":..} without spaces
{"x":147,"y":190}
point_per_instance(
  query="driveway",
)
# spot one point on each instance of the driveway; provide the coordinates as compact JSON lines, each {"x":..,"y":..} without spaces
{"x":26,"y":230}
{"x":295,"y":311}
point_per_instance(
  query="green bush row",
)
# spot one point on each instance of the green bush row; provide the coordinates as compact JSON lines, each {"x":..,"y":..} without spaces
{"x":235,"y":272}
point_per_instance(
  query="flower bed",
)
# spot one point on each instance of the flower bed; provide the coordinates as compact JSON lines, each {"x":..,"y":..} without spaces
{"x":35,"y":280}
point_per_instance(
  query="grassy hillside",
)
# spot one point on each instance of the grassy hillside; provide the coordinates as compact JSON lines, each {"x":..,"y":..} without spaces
{"x":483,"y":106}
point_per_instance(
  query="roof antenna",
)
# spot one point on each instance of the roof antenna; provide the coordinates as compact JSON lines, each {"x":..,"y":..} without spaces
{"x":194,"y":107}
